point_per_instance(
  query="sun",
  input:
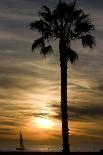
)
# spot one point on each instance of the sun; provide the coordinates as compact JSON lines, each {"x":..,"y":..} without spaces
{"x":44,"y":123}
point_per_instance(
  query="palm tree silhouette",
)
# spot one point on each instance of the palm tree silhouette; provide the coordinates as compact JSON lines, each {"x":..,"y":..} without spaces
{"x":65,"y":23}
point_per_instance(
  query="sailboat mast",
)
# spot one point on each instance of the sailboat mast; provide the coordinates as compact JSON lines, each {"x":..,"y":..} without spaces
{"x":21,"y":140}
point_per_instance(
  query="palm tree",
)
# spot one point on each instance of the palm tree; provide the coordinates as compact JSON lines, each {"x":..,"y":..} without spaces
{"x":65,"y":23}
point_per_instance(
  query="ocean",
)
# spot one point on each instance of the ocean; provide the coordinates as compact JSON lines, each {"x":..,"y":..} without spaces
{"x":37,"y":148}
{"x":48,"y":148}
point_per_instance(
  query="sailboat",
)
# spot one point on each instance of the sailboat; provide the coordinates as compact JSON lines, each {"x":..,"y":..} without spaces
{"x":21,"y":145}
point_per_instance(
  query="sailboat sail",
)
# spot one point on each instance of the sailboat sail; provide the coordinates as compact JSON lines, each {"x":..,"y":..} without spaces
{"x":21,"y":147}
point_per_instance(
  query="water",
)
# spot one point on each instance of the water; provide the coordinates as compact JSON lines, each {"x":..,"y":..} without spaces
{"x":37,"y":148}
{"x":50,"y":148}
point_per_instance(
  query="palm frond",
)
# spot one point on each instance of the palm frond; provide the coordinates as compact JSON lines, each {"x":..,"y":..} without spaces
{"x":56,"y":28}
{"x":77,"y":14}
{"x":70,"y":7}
{"x":45,"y":13}
{"x":42,"y":27}
{"x":83,"y":17}
{"x":88,"y":40}
{"x":60,"y":10}
{"x":46,"y":50}
{"x":38,"y":43}
{"x":72,"y":56}
{"x":69,"y":33}
{"x":64,"y":10}
{"x":37,"y":25}
{"x":84,"y":27}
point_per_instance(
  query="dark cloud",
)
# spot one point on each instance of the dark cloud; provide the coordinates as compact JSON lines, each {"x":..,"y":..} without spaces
{"x":41,"y":115}
{"x":7,"y":82}
{"x":87,"y":112}
{"x":92,"y":4}
{"x":9,"y":123}
{"x":99,"y":88}
{"x":6,"y":131}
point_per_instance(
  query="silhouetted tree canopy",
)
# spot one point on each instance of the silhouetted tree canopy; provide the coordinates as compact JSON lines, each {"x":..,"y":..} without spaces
{"x":66,"y":21}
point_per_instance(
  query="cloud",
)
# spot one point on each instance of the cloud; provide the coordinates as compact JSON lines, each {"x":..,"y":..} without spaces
{"x":98,"y":87}
{"x":95,"y":4}
{"x":6,"y":130}
{"x":87,"y":112}
{"x":9,"y":123}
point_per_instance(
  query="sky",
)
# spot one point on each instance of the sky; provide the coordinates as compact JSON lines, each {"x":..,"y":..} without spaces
{"x":30,"y":84}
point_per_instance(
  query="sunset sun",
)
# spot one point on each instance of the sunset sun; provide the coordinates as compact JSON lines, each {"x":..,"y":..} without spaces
{"x":43,"y":123}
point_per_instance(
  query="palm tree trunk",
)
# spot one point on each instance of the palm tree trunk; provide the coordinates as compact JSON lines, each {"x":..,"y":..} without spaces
{"x":64,"y":109}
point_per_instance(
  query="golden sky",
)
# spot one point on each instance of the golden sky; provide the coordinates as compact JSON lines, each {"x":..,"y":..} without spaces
{"x":30,"y":84}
